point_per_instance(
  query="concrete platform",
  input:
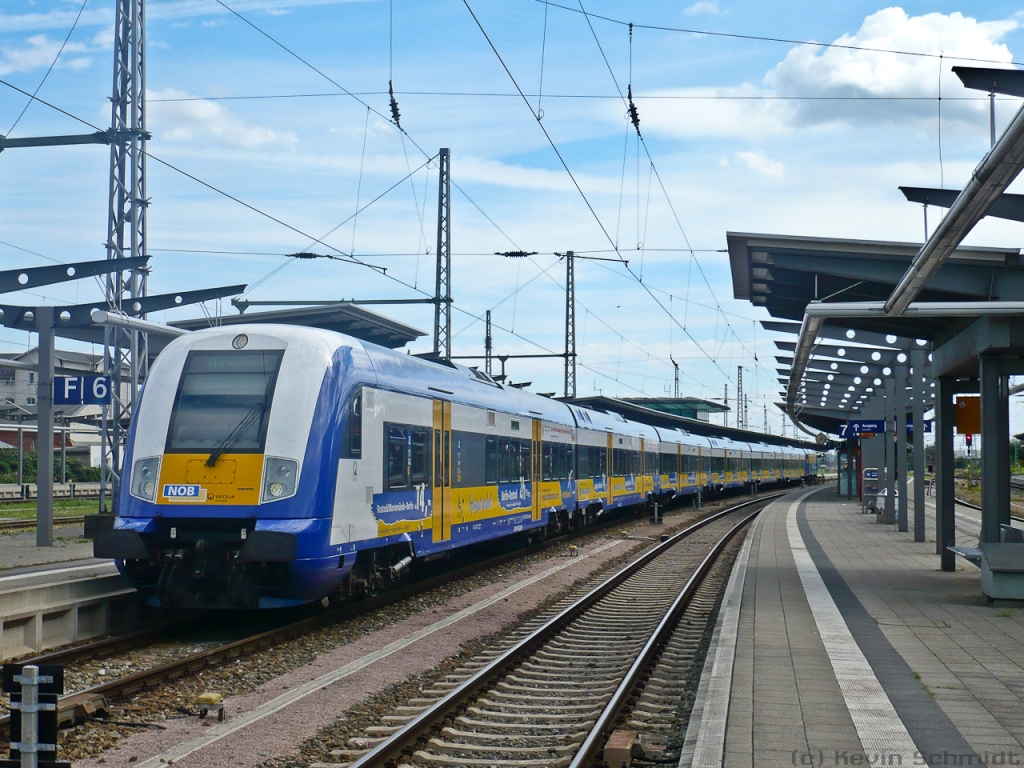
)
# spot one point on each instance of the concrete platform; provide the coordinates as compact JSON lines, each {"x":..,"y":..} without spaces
{"x":52,"y":596}
{"x":840,"y":642}
{"x":18,"y":548}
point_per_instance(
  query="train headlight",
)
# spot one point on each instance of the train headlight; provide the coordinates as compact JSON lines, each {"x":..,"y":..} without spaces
{"x":144,"y":476}
{"x":279,"y":479}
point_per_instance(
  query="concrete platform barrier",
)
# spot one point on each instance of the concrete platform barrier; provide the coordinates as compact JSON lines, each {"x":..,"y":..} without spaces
{"x":38,"y":616}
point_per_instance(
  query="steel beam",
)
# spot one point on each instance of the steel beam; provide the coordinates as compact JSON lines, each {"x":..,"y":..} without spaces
{"x":991,"y":177}
{"x":920,"y":388}
{"x":35,"y":277}
{"x":995,"y":448}
{"x":901,"y":448}
{"x":890,"y":453}
{"x":44,"y":441}
{"x":945,"y":480}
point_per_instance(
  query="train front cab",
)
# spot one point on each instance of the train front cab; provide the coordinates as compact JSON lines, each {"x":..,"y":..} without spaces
{"x":210,"y":514}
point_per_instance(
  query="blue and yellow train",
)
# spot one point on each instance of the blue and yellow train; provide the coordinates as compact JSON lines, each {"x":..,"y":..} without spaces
{"x":274,"y":465}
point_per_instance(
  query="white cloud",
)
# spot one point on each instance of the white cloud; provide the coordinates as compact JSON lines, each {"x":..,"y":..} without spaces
{"x":760,"y":162}
{"x":503,"y":174}
{"x":702,"y":6}
{"x":170,"y":9}
{"x":203,"y":121}
{"x":842,"y":72}
{"x":845,"y":86}
{"x":39,"y":52}
{"x":712,"y":112}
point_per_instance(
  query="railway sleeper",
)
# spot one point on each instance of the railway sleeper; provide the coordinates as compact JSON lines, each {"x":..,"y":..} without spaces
{"x":585,"y":655}
{"x":518,"y":683}
{"x":536,"y":671}
{"x":400,"y":719}
{"x":574,"y":646}
{"x":524,"y":728}
{"x":456,"y":748}
{"x":425,"y":758}
{"x":657,"y":698}
{"x":407,"y":709}
{"x":532,"y":694}
{"x":595,"y":664}
{"x":528,"y":717}
{"x":559,"y":738}
{"x":383,"y":730}
{"x":533,"y":706}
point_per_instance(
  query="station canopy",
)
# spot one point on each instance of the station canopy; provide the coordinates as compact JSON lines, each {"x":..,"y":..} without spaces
{"x":852,"y":356}
{"x":343,"y":317}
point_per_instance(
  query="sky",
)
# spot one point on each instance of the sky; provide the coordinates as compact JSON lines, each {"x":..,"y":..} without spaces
{"x":741,"y":133}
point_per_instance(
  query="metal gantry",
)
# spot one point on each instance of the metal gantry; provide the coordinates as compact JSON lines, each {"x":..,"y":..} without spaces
{"x":443,"y":285}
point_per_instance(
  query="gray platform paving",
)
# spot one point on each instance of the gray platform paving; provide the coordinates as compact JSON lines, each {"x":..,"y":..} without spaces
{"x":948,"y":663}
{"x":18,"y":549}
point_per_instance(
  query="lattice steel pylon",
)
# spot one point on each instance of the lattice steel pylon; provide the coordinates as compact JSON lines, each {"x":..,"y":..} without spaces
{"x":443,"y":287}
{"x":570,"y":324}
{"x":126,"y":355}
{"x":488,"y":344}
{"x":741,"y":416}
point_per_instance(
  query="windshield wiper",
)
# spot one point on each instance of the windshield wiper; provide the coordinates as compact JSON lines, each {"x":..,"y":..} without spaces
{"x":232,"y":438}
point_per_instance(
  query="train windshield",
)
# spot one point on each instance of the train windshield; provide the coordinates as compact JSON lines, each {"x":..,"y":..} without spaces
{"x":223,"y":402}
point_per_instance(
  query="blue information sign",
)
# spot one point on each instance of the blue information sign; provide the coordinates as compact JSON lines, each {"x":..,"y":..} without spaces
{"x":81,"y":390}
{"x":862,"y":428}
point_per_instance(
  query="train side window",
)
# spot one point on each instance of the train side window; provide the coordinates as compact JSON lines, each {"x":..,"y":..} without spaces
{"x":397,"y":457}
{"x":504,"y":460}
{"x":437,"y":458}
{"x":525,"y":451}
{"x":420,"y":456}
{"x":491,"y":461}
{"x":352,"y":435}
{"x":549,"y":460}
{"x":446,"y":470}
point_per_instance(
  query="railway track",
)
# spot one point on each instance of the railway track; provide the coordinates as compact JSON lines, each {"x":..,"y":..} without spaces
{"x":30,"y":524}
{"x":553,"y":693}
{"x":967,"y":504}
{"x":85,"y":704}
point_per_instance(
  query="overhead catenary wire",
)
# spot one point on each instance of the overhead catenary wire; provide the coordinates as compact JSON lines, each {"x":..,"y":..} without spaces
{"x":56,"y":58}
{"x":170,"y":166}
{"x":634,"y":118}
{"x":282,"y":266}
{"x":213,"y":188}
{"x":601,"y":96}
{"x":768,"y":39}
{"x":565,"y":165}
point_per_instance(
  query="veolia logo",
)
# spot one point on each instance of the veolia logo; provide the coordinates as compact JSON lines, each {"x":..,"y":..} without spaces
{"x":181,"y":491}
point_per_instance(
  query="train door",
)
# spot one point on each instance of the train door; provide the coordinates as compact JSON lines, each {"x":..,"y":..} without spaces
{"x":538,"y":434}
{"x":441,"y":523}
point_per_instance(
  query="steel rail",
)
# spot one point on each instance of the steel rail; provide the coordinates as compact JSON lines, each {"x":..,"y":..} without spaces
{"x":594,"y":742}
{"x":407,"y":736}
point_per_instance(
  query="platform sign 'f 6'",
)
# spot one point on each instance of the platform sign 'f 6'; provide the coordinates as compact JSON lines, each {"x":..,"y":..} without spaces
{"x":81,"y":390}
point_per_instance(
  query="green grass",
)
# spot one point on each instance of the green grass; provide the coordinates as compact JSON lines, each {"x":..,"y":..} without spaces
{"x":61,"y":508}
